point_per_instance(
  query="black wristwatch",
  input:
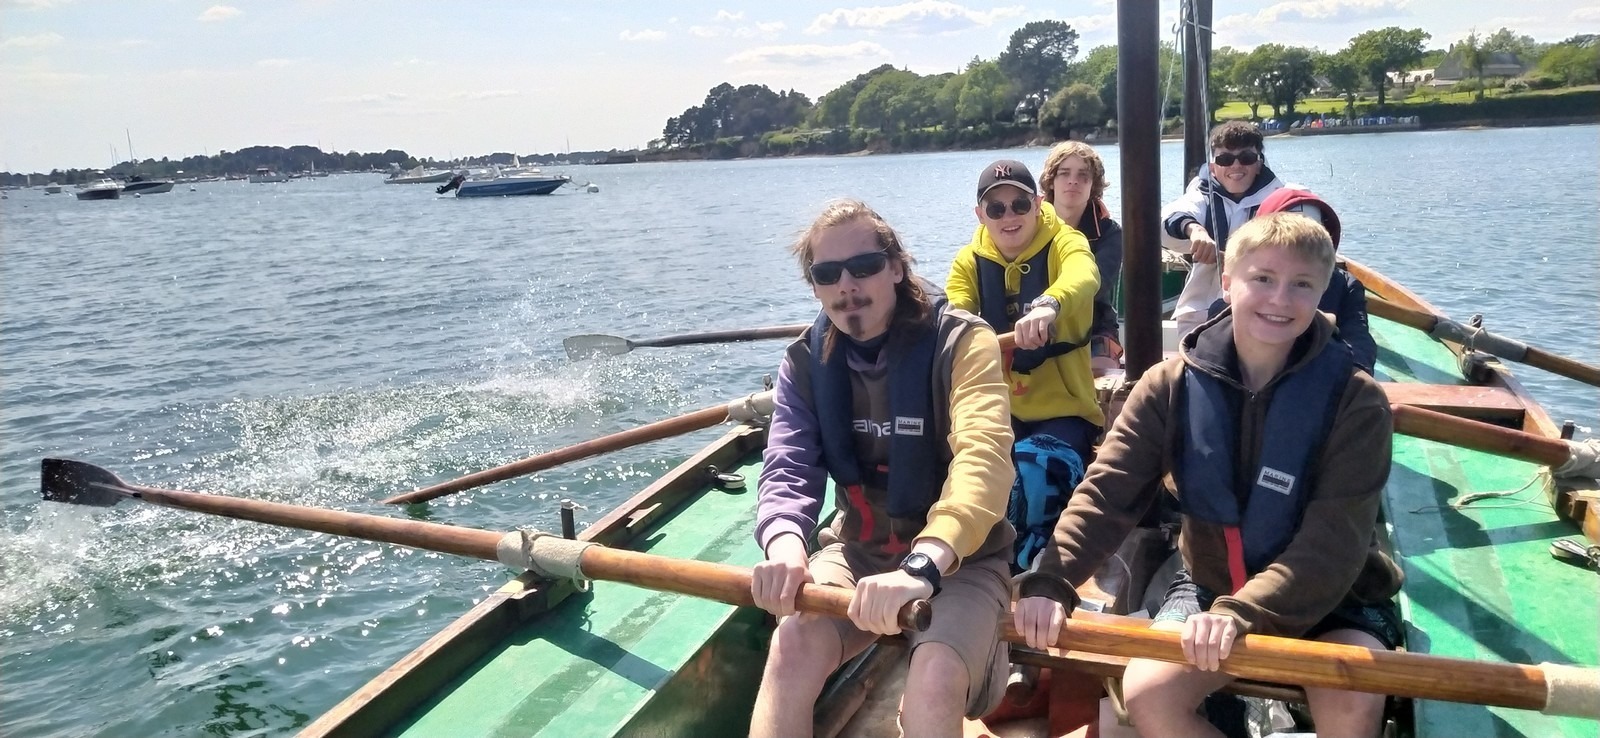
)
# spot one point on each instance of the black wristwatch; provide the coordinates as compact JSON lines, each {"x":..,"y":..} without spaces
{"x":921,"y":566}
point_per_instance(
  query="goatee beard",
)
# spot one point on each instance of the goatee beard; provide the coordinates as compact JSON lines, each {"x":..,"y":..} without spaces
{"x":854,"y":324}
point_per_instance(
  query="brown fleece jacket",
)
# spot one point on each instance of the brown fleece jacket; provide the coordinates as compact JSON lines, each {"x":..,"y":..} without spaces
{"x":1334,"y":555}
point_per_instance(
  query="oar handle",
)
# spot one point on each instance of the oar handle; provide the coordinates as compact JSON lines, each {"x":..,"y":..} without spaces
{"x":1436,"y":426}
{"x":725,"y":583}
{"x":730,"y":336}
{"x":1318,"y":664}
{"x":1443,"y":328}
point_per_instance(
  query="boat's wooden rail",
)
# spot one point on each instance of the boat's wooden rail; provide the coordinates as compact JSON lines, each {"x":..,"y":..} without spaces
{"x":392,"y":695}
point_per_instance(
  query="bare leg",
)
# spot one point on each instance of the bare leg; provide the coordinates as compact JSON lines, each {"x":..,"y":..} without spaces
{"x":805,"y":650}
{"x":1341,"y":713}
{"x":936,"y":688}
{"x":1163,"y":697}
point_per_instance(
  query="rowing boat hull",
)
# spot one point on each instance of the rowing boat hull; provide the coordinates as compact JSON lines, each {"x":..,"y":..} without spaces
{"x":536,"y":658}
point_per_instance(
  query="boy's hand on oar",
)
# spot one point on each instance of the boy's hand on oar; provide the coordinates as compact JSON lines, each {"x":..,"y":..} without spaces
{"x":1208,"y":639}
{"x":774,"y":582}
{"x":1039,"y":621}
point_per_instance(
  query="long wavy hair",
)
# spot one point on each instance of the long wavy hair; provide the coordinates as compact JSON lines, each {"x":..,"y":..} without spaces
{"x":912,"y":304}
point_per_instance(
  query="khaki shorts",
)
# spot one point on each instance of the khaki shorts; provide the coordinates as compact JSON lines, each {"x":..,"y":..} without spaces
{"x":966,"y":617}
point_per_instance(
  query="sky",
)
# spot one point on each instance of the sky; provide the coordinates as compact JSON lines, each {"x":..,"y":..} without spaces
{"x":79,"y":78}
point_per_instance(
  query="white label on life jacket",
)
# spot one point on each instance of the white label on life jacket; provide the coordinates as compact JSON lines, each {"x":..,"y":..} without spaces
{"x":1275,"y":480}
{"x":904,"y":426}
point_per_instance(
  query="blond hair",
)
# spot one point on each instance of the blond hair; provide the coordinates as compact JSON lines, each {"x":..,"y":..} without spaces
{"x":1059,"y":154}
{"x":1294,"y":232}
{"x":912,"y":303}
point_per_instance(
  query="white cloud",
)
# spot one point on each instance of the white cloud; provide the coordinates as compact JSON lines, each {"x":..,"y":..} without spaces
{"x":707,"y":31}
{"x":1326,"y":11}
{"x":1085,"y":24}
{"x":218,"y":13}
{"x":36,"y":41}
{"x":1586,"y":15}
{"x":276,"y":63}
{"x":645,"y":35}
{"x":724,"y":15}
{"x":808,"y":53}
{"x":922,"y":17}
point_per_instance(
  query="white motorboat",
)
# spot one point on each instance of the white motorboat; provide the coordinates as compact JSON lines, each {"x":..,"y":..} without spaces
{"x":419,"y":175}
{"x":265,"y":175}
{"x":140,"y":186}
{"x":100,"y":189}
{"x":52,"y":189}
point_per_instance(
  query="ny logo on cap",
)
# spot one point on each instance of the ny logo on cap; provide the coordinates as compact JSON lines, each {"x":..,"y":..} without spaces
{"x":1002,"y":171}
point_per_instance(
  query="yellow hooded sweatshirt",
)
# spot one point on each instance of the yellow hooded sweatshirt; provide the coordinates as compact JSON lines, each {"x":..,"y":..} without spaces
{"x":1064,"y":386}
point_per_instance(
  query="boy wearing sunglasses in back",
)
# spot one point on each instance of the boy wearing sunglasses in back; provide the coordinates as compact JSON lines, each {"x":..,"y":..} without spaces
{"x":1216,"y":203}
{"x":1027,"y":271}
{"x":901,"y":401}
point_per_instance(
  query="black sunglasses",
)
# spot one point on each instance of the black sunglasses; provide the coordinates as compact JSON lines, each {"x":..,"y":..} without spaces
{"x":860,"y":266}
{"x":997,"y":210}
{"x":1227,"y":158}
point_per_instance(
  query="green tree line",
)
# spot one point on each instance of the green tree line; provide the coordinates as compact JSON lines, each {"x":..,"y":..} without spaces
{"x":1039,"y":81}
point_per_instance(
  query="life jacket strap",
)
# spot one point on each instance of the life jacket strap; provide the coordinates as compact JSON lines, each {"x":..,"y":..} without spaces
{"x":1236,"y":570}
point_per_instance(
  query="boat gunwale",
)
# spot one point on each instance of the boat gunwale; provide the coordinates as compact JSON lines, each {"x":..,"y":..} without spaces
{"x":387,"y":698}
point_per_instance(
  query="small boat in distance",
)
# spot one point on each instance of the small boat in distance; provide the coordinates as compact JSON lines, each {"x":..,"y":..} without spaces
{"x":100,"y":189}
{"x":138,"y":185}
{"x":265,"y":175}
{"x":52,"y":189}
{"x":419,"y":175}
{"x":504,"y":186}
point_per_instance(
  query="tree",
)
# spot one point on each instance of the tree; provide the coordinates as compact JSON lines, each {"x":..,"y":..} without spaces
{"x":1381,"y":51}
{"x":944,"y":103}
{"x":985,"y":94}
{"x":1099,"y":70}
{"x":833,"y":109}
{"x":1474,"y":56}
{"x":1252,"y":76}
{"x":1296,"y":75}
{"x":1038,"y":54}
{"x":873,"y":104}
{"x":1508,"y":41}
{"x":1344,"y":76}
{"x":1076,"y":106}
{"x":1219,"y":82}
{"x":1573,"y":65}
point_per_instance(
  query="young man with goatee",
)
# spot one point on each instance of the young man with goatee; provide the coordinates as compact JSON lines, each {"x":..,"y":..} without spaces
{"x":901,"y":402}
{"x":1276,"y":449}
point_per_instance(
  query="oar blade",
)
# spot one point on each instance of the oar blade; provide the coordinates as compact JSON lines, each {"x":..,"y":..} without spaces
{"x":80,"y":483}
{"x":590,"y":345}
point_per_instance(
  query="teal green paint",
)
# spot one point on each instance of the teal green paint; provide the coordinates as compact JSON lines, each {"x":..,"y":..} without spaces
{"x":1480,"y":581}
{"x":586,"y":668}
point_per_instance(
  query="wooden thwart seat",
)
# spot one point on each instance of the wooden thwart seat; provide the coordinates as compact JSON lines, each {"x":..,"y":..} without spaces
{"x":1469,"y":401}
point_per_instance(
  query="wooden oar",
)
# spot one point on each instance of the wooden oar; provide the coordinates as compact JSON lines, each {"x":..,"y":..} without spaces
{"x":80,"y":483}
{"x":1435,"y":426}
{"x":1548,"y":688}
{"x":745,"y":409}
{"x":590,"y":345}
{"x":1446,"y":329}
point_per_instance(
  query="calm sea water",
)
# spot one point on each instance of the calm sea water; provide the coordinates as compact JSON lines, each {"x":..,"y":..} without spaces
{"x":333,"y":342}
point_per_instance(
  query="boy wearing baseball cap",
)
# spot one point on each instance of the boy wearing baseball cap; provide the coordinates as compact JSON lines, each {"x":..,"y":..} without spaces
{"x":1026,"y":270}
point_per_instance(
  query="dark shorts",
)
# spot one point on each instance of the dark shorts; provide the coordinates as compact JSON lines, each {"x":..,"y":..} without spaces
{"x":1076,"y":432}
{"x":1381,"y":621}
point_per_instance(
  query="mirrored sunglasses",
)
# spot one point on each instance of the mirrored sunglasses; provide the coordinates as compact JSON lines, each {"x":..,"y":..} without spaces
{"x":997,"y":210}
{"x":860,"y":266}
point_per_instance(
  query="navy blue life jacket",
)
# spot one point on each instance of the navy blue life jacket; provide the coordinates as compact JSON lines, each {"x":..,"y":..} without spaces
{"x":1001,"y":311}
{"x":1302,"y":407}
{"x":914,"y":475}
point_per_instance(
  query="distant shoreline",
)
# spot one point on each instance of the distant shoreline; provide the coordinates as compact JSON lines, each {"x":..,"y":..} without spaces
{"x":675,"y":156}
